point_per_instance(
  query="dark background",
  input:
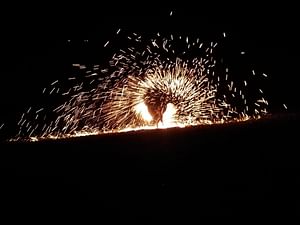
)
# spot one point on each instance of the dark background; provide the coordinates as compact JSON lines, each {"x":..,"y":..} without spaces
{"x":35,"y":50}
{"x":150,"y":178}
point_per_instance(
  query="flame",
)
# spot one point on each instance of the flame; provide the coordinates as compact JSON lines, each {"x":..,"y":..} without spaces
{"x":168,"y":119}
{"x":142,"y":110}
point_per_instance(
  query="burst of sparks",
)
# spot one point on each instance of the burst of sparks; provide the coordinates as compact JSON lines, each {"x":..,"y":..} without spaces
{"x":141,"y":89}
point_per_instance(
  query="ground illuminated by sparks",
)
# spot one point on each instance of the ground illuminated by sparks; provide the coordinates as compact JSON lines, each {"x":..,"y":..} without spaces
{"x":152,"y":85}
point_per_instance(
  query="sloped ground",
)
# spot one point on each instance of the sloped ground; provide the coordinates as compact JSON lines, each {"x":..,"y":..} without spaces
{"x":157,"y":176}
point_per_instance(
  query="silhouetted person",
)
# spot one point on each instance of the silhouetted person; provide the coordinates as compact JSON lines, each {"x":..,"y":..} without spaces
{"x":157,"y":112}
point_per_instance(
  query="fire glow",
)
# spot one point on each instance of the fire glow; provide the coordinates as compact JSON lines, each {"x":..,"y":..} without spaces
{"x":153,"y":85}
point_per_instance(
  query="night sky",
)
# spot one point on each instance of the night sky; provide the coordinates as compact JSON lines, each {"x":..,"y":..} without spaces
{"x":35,"y":50}
{"x":151,"y":187}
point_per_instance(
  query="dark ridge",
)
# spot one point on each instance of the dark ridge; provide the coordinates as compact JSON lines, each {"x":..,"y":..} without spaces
{"x":158,"y":176}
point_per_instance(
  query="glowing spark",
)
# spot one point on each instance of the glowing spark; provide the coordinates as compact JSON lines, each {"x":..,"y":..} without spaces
{"x":39,"y":110}
{"x":284,"y":105}
{"x":106,"y":44}
{"x":52,"y":90}
{"x":29,"y":109}
{"x":262,"y":100}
